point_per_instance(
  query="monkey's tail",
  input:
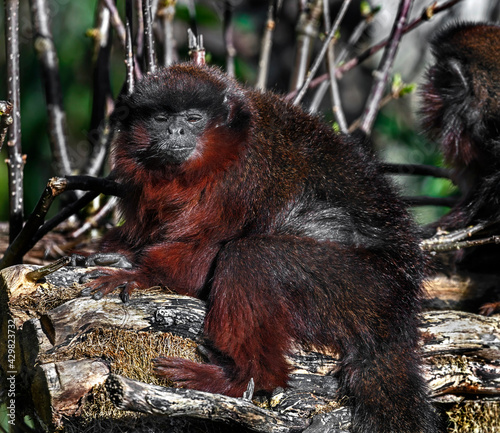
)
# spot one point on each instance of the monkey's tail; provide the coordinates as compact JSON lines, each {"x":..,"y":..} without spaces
{"x":389,"y":394}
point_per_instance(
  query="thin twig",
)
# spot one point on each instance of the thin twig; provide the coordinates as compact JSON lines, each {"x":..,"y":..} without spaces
{"x":44,"y":46}
{"x":149,"y":50}
{"x":139,"y":35}
{"x":330,"y":63}
{"x":416,"y":169}
{"x":307,"y":32}
{"x":16,"y":160}
{"x":267,"y":43}
{"x":322,"y":53}
{"x":382,"y":74}
{"x":119,"y":27}
{"x":129,"y":53}
{"x":346,"y":50}
{"x":430,"y":201}
{"x":166,"y":13}
{"x":228,"y":37}
{"x":426,"y":15}
{"x":102,"y":98}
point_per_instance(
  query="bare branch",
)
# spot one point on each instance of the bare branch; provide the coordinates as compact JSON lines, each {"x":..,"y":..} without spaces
{"x":44,"y":46}
{"x":166,"y":13}
{"x":32,"y":232}
{"x":351,"y":43}
{"x":322,"y":53}
{"x":267,"y":43}
{"x":16,"y":160}
{"x":148,"y":35}
{"x":307,"y":31}
{"x":426,"y":15}
{"x":382,"y":74}
{"x":330,"y":63}
{"x":122,"y":33}
{"x":228,"y":37}
{"x":102,"y":98}
{"x":129,"y":54}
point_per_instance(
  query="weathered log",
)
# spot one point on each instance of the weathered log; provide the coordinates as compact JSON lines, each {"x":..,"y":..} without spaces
{"x":466,"y":291}
{"x":180,"y":315}
{"x":133,"y":395}
{"x":58,"y":387}
{"x":460,"y":350}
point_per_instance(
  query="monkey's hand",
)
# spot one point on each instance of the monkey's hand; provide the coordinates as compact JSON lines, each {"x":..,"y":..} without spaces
{"x":115,"y":260}
{"x":103,"y":281}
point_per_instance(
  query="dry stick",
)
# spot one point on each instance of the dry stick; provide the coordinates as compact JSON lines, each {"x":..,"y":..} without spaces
{"x":16,"y":160}
{"x":44,"y":46}
{"x":149,"y":51}
{"x":322,"y":53}
{"x":129,"y":54}
{"x":32,"y":232}
{"x":426,"y":15}
{"x":102,"y":99}
{"x":228,"y":37}
{"x":166,"y":14}
{"x":330,"y":63}
{"x":267,"y":43}
{"x":382,"y":74}
{"x":307,"y":31}
{"x":5,"y":120}
{"x":121,"y":32}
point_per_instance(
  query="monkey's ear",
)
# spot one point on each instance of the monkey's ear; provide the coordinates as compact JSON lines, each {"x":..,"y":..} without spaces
{"x":239,"y":112}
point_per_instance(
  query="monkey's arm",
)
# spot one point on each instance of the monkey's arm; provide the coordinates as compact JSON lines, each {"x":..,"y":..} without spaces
{"x":180,"y":266}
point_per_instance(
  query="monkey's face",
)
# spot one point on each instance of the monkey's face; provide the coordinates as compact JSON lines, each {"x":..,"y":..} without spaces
{"x":172,"y":136}
{"x":460,"y":97}
{"x":182,"y":118}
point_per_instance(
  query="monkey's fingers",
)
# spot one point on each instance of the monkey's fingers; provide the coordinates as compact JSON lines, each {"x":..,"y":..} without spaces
{"x":100,"y":282}
{"x":92,"y":275}
{"x":489,"y":308}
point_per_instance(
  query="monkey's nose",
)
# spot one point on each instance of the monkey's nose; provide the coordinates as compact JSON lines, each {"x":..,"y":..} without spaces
{"x":175,"y":131}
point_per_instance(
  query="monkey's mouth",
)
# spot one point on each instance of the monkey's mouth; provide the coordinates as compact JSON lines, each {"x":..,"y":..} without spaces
{"x":161,"y":154}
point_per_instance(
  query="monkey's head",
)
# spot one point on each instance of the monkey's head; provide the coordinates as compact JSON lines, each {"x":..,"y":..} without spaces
{"x":461,"y":106}
{"x":179,"y":119}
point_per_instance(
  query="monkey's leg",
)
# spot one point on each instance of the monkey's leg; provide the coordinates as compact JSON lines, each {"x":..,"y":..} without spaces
{"x":271,"y":290}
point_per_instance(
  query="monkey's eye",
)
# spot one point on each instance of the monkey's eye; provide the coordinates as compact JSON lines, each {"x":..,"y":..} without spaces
{"x":161,"y":118}
{"x":194,"y":117}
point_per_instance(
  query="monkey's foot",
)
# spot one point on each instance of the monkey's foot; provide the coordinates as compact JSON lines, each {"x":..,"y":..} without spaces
{"x":489,"y":308}
{"x":100,"y":282}
{"x":189,"y":374}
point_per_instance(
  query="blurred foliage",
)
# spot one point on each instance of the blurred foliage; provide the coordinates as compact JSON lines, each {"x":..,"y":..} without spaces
{"x":71,"y":20}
